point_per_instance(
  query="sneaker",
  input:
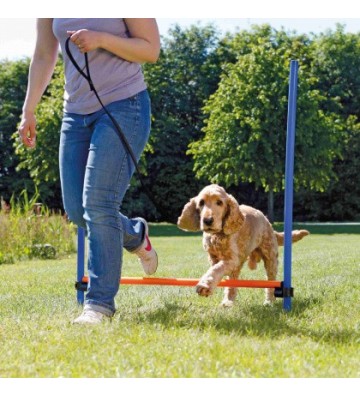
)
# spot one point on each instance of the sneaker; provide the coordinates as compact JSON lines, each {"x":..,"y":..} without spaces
{"x":146,"y":253}
{"x":90,"y":316}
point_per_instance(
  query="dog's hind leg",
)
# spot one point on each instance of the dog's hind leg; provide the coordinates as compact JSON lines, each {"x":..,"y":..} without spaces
{"x":230,"y":292}
{"x":271,"y":267}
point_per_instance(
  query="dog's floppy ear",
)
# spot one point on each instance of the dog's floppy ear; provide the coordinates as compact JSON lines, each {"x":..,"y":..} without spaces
{"x":190,"y":218}
{"x":233,"y":219}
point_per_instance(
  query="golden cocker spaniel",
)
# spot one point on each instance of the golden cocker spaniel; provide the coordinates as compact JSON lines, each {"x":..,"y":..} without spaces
{"x":232,"y":234}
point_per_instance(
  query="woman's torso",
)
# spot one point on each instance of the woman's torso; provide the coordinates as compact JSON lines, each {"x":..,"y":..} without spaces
{"x":114,"y":78}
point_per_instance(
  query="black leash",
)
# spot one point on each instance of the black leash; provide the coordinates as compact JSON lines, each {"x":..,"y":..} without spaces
{"x":92,"y":88}
{"x":119,"y":131}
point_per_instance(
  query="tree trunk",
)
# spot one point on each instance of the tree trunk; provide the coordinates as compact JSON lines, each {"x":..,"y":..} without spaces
{"x":270,"y":214}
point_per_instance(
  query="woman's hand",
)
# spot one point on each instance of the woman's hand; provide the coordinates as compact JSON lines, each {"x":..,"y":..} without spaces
{"x":142,"y":46}
{"x":27,"y":129}
{"x":86,"y":40}
{"x":41,"y":69}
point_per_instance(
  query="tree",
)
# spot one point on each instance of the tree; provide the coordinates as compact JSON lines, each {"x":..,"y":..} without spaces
{"x":245,"y":132}
{"x":336,"y":63}
{"x":13,"y":82}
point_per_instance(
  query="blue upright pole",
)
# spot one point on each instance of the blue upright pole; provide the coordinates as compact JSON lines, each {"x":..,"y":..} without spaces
{"x":289,"y":181}
{"x":80,"y":262}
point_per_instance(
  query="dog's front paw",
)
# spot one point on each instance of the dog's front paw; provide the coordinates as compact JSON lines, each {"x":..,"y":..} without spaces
{"x":227,"y":303}
{"x":203,"y":289}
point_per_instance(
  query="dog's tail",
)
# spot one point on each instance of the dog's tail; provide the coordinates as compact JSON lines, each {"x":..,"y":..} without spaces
{"x":255,"y":256}
{"x":296,"y":235}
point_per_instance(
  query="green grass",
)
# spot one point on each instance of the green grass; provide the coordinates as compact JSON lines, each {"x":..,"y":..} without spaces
{"x":171,"y":332}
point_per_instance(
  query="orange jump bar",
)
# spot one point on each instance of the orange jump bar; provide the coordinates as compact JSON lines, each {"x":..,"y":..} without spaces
{"x":194,"y":282}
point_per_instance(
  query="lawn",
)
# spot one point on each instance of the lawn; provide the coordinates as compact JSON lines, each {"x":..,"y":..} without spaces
{"x":170,"y":332}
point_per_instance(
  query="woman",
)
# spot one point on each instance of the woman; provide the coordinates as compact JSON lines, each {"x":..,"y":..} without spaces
{"x":95,"y":168}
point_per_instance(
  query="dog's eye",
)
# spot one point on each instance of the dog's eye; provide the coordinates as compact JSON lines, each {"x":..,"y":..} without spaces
{"x":201,"y":203}
{"x":219,"y":202}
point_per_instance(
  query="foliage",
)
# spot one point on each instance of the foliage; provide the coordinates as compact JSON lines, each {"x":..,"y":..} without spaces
{"x":30,"y":230}
{"x":13,"y":82}
{"x":336,"y":62}
{"x":341,"y":200}
{"x":245,"y":133}
{"x":221,"y":86}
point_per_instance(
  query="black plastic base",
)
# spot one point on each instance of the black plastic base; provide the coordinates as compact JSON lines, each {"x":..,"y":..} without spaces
{"x":282,"y":292}
{"x":82,"y":286}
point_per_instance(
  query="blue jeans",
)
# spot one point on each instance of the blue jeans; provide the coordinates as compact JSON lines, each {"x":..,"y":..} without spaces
{"x":95,"y":172}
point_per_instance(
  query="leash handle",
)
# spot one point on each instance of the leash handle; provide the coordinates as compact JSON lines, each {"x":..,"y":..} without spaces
{"x":77,"y":67}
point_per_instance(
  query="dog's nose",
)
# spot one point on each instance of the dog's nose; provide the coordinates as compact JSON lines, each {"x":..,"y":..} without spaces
{"x":208,"y":221}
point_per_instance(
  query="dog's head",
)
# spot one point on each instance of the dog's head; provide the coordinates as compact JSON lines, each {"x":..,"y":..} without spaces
{"x":212,"y":211}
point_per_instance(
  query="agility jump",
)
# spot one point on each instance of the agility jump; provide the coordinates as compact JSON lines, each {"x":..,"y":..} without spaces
{"x":283,"y":288}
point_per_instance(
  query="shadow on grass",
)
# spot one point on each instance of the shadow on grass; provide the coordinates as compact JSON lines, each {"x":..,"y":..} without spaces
{"x":248,"y":320}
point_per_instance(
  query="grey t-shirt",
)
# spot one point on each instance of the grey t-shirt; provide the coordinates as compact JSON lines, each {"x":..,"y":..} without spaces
{"x":114,"y":78}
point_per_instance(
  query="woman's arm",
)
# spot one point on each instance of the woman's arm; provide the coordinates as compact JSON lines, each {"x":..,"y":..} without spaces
{"x":143,"y":45}
{"x":41,"y":69}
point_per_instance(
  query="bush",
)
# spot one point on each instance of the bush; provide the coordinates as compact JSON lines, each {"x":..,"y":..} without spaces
{"x":30,"y":230}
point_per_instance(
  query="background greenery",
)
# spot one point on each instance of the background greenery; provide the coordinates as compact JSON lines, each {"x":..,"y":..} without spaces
{"x":219,"y":114}
{"x":28,"y":230}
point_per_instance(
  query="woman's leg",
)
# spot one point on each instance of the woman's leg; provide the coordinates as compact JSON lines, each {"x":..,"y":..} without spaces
{"x":108,"y":172}
{"x":73,"y":154}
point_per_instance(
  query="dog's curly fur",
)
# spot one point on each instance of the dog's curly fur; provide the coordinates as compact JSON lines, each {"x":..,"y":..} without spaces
{"x":232,"y":234}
